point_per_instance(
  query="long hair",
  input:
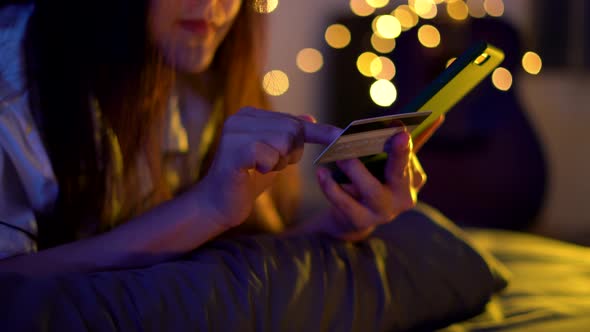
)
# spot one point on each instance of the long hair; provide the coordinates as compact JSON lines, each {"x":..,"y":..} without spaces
{"x":101,"y":49}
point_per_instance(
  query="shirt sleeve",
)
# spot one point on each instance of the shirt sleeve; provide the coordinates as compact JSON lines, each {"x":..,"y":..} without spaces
{"x":18,"y":227}
{"x":27,"y":182}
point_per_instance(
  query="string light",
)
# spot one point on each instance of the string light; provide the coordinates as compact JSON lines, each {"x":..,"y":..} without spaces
{"x":377,"y":3}
{"x":386,"y":68}
{"x":309,"y":60}
{"x":275,"y":83}
{"x":450,"y":62}
{"x":361,"y":8}
{"x":532,"y":63}
{"x":338,"y":36}
{"x":424,"y":8}
{"x":502,"y":79}
{"x":458,"y":10}
{"x":387,"y":26}
{"x":494,"y":7}
{"x":429,"y":36}
{"x":265,"y":6}
{"x":476,"y":8}
{"x":406,"y":16}
{"x":383,"y":93}
{"x":363,"y":63}
{"x":382,"y":45}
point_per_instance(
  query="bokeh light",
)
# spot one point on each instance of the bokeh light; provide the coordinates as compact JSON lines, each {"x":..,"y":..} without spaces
{"x":361,"y":8}
{"x":429,"y":36}
{"x":450,"y":62}
{"x":376,"y":66}
{"x":275,"y":83}
{"x":532,"y":63}
{"x":265,"y":6}
{"x":424,"y":8}
{"x":363,"y":63}
{"x":476,"y":8}
{"x":383,"y":68}
{"x":494,"y":7}
{"x":382,"y":45}
{"x":502,"y":79}
{"x":406,"y":17}
{"x":383,"y":93}
{"x":309,"y":60}
{"x":377,"y":3}
{"x":337,"y":36}
{"x":458,"y":10}
{"x":387,"y":26}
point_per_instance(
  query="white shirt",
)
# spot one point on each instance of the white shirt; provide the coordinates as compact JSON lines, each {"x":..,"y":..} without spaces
{"x":27,"y":182}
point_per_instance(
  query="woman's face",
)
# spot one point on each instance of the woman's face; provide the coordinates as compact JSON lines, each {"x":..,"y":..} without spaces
{"x":188,"y":32}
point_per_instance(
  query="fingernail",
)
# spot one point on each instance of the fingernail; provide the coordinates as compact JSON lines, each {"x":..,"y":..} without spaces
{"x":308,"y":118}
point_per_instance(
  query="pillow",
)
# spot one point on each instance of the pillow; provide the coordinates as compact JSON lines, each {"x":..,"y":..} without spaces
{"x":417,"y":272}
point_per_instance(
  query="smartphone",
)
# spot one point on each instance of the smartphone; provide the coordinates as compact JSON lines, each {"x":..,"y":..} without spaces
{"x":456,"y":81}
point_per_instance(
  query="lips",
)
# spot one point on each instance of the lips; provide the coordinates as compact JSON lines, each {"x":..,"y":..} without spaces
{"x":199,"y":27}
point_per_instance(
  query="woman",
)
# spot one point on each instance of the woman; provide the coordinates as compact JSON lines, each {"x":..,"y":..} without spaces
{"x":133,"y":132}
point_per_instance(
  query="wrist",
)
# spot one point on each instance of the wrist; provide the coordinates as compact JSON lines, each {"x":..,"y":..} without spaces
{"x":337,"y":226}
{"x":206,"y":210}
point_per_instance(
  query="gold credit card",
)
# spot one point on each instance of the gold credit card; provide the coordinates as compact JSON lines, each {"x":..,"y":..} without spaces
{"x":367,"y":137}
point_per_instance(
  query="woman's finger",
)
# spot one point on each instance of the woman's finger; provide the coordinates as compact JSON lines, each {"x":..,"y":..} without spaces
{"x":368,"y":187}
{"x":396,"y":168}
{"x":341,"y":200}
{"x":421,"y":139}
{"x":418,"y":175}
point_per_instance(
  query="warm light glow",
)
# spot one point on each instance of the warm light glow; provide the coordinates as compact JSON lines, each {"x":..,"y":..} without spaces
{"x":387,"y":26}
{"x":406,"y":17}
{"x":265,"y":6}
{"x":310,"y":60}
{"x":450,"y":62}
{"x":376,"y":66}
{"x":424,"y":8}
{"x":532,"y":63}
{"x":337,"y":36}
{"x":275,"y":83}
{"x":361,"y":8}
{"x":458,"y":10}
{"x":476,"y":8}
{"x":383,"y":68}
{"x":377,"y":3}
{"x":429,"y":36}
{"x":502,"y":79}
{"x":494,"y":7}
{"x":383,"y":93}
{"x":363,"y":63}
{"x":382,"y":45}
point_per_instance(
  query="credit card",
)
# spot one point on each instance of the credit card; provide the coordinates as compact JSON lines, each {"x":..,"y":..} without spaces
{"x":367,"y":137}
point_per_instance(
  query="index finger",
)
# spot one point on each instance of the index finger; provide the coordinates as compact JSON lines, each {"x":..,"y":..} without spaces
{"x":319,"y":133}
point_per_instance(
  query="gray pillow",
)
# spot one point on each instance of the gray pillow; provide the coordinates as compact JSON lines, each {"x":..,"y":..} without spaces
{"x":417,"y":272}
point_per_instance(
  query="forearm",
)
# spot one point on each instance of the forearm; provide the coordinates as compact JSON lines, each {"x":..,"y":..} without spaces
{"x":161,"y":234}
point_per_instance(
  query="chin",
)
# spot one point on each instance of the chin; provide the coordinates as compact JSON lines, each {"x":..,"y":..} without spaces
{"x":192,"y":61}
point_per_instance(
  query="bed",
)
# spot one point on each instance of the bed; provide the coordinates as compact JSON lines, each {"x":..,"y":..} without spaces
{"x":418,"y":273}
{"x":549,"y":289}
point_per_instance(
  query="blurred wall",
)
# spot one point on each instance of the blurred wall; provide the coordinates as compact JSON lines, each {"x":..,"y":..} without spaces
{"x":557,"y":102}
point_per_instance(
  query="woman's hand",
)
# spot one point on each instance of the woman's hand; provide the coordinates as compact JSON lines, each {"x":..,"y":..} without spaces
{"x":357,"y":208}
{"x":255,"y":144}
